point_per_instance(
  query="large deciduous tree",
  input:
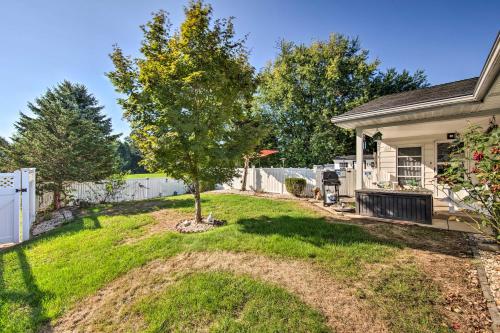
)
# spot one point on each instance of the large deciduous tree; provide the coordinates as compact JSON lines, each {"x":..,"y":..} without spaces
{"x":188,"y":97}
{"x":66,"y":139}
{"x":305,"y":86}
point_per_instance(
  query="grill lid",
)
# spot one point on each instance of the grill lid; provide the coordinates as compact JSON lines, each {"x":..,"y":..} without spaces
{"x":330,"y":178}
{"x":330,"y":175}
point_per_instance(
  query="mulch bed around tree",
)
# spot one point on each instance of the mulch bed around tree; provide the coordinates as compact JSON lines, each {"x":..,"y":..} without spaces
{"x":189,"y":226}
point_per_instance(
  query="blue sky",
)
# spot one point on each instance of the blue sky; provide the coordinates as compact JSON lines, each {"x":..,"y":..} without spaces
{"x":45,"y":42}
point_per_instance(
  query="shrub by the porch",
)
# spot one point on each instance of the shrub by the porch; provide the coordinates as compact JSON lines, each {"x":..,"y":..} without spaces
{"x":295,"y":186}
{"x":481,"y":182}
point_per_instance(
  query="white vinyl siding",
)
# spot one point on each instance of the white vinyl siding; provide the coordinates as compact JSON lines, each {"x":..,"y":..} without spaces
{"x":387,"y":157}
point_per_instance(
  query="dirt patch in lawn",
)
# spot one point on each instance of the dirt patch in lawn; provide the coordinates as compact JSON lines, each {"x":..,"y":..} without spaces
{"x":165,"y":220}
{"x":416,"y":237}
{"x":444,"y":256}
{"x":462,"y":298}
{"x":109,"y":309}
{"x":447,"y":242}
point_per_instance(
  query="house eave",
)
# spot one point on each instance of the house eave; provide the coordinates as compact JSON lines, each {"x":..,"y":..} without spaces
{"x":489,"y":73}
{"x":346,"y":121}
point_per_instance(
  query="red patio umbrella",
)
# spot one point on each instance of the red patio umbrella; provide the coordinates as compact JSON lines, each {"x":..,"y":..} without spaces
{"x":267,"y":152}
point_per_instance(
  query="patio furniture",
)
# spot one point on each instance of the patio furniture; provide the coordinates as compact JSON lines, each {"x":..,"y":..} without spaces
{"x":414,"y":206}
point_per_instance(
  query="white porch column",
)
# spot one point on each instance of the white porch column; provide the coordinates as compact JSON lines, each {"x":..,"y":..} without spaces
{"x":359,"y":159}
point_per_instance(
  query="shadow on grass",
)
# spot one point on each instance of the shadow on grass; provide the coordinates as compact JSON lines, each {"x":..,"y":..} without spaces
{"x":84,"y":216}
{"x":137,"y":207}
{"x":315,"y":231}
{"x":30,"y":299}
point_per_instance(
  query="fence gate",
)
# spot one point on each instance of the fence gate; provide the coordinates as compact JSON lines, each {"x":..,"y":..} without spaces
{"x":16,"y":189}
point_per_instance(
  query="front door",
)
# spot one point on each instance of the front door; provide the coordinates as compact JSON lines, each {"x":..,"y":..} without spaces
{"x":443,"y":151}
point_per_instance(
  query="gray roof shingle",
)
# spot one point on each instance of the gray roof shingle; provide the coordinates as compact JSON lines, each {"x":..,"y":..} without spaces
{"x":428,"y":94}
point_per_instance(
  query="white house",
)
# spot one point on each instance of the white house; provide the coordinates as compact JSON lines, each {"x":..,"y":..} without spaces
{"x":418,"y":126}
{"x":349,"y":162}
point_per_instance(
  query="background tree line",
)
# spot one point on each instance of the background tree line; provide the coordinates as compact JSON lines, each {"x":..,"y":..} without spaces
{"x":176,"y":129}
{"x":306,"y":85}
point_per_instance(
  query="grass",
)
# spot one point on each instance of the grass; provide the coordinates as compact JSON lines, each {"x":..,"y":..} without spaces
{"x":405,"y":292}
{"x":145,"y":175}
{"x":219,"y":302}
{"x":43,"y":278}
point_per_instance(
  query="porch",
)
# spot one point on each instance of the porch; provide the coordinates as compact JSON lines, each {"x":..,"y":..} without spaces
{"x":442,"y":218}
{"x":410,"y":156}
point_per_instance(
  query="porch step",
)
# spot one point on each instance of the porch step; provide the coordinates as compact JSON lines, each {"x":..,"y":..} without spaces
{"x":445,"y":215}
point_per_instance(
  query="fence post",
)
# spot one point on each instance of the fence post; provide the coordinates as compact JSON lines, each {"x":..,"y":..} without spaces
{"x":32,"y":195}
{"x":25,"y":203}
{"x":253,"y":178}
{"x":283,"y":170}
{"x":17,"y":198}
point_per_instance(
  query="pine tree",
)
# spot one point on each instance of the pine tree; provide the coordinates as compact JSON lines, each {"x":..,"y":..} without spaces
{"x":67,"y":139}
{"x":4,"y":144}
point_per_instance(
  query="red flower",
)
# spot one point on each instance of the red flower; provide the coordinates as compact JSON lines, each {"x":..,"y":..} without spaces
{"x":478,"y":156}
{"x":495,"y":150}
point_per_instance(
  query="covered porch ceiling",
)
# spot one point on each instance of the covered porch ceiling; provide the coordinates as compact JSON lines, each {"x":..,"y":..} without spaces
{"x":427,"y":128}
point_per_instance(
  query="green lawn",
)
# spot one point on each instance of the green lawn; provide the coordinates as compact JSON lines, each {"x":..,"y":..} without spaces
{"x":43,"y":278}
{"x":229,"y":304}
{"x":145,"y":175}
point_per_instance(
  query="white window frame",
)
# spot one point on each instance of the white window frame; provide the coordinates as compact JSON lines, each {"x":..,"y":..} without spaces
{"x":343,"y":164}
{"x":421,"y":163}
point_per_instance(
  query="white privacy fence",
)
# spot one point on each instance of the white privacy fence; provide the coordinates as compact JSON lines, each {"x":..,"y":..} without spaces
{"x":272,"y":180}
{"x":133,"y":189}
{"x":17,"y":205}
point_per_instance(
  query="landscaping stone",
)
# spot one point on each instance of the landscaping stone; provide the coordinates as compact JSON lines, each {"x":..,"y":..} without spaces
{"x":491,"y":262}
{"x":56,"y":219}
{"x":189,"y":226}
{"x":489,"y":277}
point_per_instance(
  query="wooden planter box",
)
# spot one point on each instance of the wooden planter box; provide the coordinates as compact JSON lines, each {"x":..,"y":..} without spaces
{"x":395,"y":205}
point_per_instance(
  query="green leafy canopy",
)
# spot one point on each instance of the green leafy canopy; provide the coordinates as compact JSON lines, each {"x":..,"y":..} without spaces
{"x":306,"y":85}
{"x":188,"y":98}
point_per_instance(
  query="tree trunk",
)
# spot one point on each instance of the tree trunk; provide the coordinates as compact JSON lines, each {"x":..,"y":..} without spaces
{"x":197,"y":202}
{"x":245,"y":172}
{"x":57,"y":199}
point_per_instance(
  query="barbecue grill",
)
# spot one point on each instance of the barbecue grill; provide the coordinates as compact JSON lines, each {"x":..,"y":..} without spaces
{"x":330,"y":179}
